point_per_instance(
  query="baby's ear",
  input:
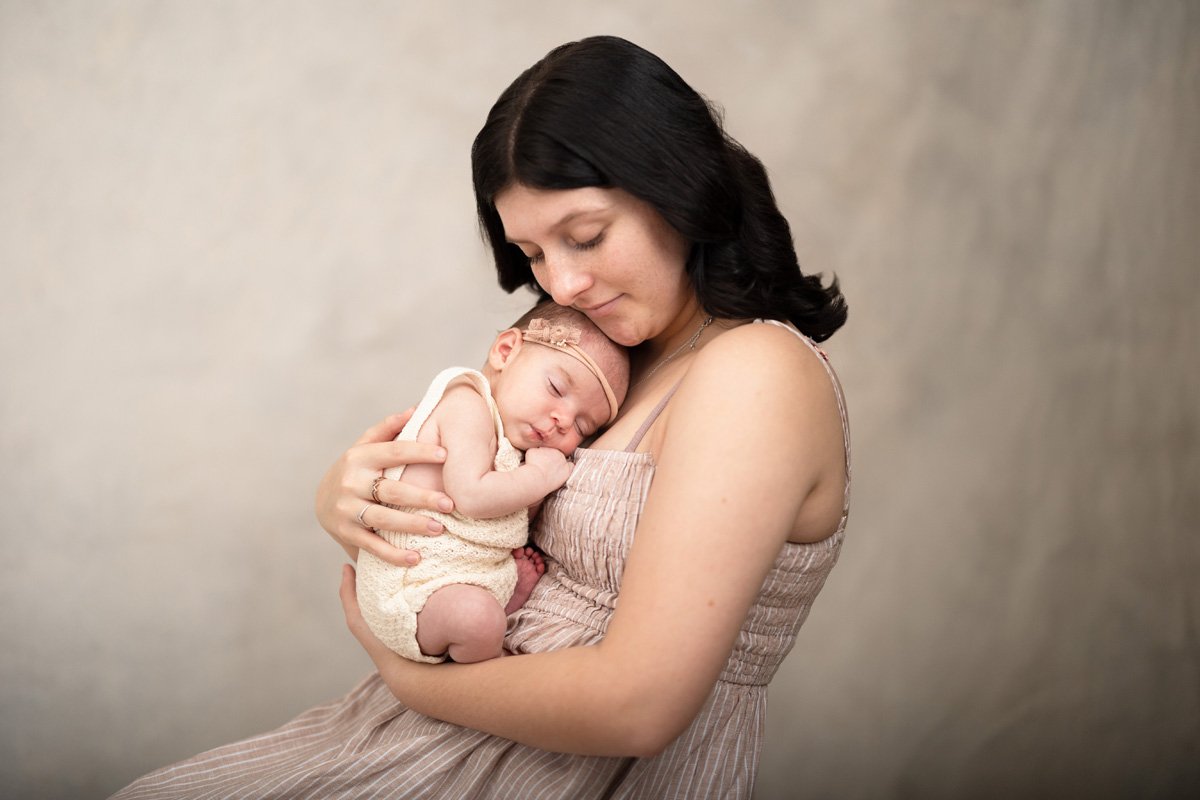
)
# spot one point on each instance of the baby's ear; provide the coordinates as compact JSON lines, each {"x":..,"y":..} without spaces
{"x":505,"y":348}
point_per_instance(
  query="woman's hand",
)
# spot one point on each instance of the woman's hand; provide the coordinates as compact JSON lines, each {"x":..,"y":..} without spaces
{"x":346,"y":509}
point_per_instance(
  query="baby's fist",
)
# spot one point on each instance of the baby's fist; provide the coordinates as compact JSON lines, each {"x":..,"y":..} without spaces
{"x":552,"y":463}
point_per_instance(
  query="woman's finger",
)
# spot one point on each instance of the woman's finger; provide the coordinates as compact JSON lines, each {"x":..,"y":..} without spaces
{"x":363,"y":532}
{"x":377,"y":449}
{"x":382,"y":518}
{"x":379,"y":548}
{"x":364,"y":540}
{"x":372,"y":517}
{"x":378,"y":456}
{"x":399,"y":493}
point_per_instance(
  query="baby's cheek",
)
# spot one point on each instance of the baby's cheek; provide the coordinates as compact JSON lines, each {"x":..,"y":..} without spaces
{"x":568,"y":444}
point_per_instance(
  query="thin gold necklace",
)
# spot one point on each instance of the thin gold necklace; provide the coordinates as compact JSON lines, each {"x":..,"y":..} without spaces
{"x":690,"y":344}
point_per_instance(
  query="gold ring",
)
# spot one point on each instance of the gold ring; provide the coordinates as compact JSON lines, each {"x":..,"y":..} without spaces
{"x":375,"y":490}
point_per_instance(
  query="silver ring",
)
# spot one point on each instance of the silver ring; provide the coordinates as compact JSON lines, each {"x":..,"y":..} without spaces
{"x":360,"y":517}
{"x":375,"y":490}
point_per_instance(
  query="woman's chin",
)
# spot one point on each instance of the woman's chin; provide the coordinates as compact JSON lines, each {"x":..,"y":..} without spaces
{"x":620,"y":333}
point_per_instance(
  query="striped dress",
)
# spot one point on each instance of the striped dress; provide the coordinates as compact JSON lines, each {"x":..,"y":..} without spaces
{"x":368,"y":745}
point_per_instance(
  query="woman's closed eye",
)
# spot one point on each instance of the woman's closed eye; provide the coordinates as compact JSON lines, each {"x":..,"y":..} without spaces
{"x":595,"y":241}
{"x":590,"y":243}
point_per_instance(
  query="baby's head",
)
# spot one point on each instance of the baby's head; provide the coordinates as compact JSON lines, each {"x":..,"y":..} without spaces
{"x":556,"y":378}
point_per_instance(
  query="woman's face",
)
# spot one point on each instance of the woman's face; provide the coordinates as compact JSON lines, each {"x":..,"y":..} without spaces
{"x":604,"y":252}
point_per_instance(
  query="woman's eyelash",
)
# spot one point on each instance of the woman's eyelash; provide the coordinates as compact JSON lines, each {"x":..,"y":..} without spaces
{"x":589,"y":244}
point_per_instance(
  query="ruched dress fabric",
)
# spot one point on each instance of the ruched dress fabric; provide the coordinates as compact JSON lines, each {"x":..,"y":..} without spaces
{"x":369,"y":745}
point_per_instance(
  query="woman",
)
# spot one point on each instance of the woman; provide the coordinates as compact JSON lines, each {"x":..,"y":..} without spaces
{"x":714,"y":505}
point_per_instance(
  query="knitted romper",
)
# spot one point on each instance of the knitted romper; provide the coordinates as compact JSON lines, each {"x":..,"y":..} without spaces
{"x":474,"y":551}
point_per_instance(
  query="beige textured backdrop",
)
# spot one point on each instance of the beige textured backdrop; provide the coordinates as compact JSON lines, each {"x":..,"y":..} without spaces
{"x":233,"y":234}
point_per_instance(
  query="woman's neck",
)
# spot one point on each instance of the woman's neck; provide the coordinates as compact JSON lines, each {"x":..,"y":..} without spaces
{"x":684,"y":334}
{"x":674,"y":334}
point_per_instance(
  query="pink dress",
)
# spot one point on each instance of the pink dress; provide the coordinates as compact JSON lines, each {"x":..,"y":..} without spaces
{"x":367,"y":744}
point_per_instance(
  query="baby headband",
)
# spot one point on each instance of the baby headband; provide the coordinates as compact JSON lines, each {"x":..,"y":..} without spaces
{"x":565,"y":339}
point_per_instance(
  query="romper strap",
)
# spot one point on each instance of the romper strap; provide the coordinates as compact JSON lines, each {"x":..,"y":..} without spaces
{"x":650,"y":418}
{"x":433,"y":396}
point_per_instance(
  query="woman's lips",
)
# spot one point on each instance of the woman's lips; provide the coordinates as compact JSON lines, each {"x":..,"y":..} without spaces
{"x":603,"y":308}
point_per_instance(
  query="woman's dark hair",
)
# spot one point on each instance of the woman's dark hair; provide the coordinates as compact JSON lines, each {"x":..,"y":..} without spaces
{"x":604,"y":112}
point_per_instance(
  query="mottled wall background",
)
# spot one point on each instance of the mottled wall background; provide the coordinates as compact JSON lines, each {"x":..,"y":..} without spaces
{"x":233,"y":234}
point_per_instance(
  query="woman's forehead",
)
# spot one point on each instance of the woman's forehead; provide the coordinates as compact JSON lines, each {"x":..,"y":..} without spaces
{"x":528,"y":213}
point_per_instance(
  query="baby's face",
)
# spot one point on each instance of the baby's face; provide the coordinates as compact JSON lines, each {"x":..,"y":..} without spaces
{"x":548,"y":399}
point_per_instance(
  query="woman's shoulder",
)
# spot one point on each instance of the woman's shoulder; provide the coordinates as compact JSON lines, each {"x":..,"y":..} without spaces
{"x":761,"y":395}
{"x":769,"y":354}
{"x":755,"y":385}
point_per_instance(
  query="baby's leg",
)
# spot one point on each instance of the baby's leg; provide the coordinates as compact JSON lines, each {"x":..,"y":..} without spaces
{"x":463,"y":620}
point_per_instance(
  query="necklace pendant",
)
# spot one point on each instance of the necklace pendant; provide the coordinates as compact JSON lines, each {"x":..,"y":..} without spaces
{"x":690,"y":344}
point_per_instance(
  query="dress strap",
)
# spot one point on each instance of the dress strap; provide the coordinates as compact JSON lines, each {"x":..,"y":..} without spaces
{"x":650,"y":418}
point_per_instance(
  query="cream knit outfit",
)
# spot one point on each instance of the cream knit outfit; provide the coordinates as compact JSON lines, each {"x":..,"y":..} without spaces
{"x":474,"y":551}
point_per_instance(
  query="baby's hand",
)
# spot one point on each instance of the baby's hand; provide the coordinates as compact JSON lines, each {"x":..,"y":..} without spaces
{"x":552,"y":463}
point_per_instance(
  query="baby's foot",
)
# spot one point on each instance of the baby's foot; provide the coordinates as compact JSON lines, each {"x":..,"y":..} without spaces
{"x":530,"y":567}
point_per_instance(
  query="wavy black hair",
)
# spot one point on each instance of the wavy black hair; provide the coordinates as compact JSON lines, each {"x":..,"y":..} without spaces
{"x":604,"y":112}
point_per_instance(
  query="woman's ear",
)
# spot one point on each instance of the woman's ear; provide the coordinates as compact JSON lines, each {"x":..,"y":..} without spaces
{"x":505,"y":348}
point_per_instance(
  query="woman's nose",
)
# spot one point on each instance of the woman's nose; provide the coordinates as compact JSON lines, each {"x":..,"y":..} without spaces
{"x":565,"y":282}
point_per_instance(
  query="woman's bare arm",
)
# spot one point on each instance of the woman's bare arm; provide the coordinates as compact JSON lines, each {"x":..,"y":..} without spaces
{"x":745,"y":442}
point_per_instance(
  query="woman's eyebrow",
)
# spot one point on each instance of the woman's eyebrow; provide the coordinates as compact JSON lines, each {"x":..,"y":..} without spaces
{"x":570,"y":216}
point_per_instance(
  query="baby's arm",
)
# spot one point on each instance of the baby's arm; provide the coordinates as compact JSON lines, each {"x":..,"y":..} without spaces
{"x":469,"y":436}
